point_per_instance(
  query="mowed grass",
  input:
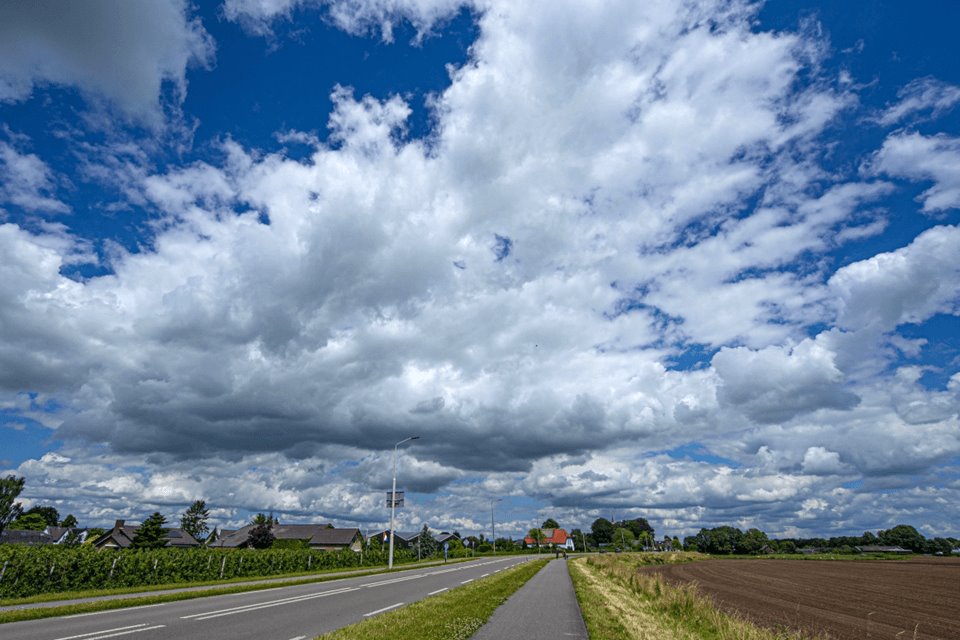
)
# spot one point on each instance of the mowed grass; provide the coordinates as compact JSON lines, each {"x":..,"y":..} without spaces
{"x":620,"y":603}
{"x":452,"y":615}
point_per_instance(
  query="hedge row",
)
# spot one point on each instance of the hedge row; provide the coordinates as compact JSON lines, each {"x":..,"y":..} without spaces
{"x":27,"y":571}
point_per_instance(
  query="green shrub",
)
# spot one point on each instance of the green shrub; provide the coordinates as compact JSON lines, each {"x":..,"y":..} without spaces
{"x":27,"y":571}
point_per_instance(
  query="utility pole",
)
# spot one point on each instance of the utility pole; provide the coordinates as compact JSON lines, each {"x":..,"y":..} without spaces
{"x":393,"y":496}
{"x":493,"y":525}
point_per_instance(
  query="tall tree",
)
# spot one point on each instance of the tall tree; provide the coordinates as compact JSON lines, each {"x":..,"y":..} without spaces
{"x":70,"y":521}
{"x":905,"y":536}
{"x":194,"y":520}
{"x":150,"y":534}
{"x":49,"y":514}
{"x":29,"y":522}
{"x":638,"y":526}
{"x":537,"y":536}
{"x":550,"y":523}
{"x":602,"y":530}
{"x":427,"y":543}
{"x":10,"y":510}
{"x":261,"y":536}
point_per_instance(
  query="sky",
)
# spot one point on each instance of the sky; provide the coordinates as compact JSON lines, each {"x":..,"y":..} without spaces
{"x":697,"y":262}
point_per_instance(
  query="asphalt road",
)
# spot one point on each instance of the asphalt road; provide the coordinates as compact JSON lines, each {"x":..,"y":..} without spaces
{"x":284,"y":613}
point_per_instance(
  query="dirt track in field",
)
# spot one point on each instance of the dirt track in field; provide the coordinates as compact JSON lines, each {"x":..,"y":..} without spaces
{"x":847,"y":600}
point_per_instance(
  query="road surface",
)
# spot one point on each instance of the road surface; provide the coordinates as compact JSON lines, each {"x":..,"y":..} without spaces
{"x":284,"y":613}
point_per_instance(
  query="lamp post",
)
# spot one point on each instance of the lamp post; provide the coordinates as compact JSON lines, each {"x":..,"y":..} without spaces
{"x":393,"y":496}
{"x":493,"y":526}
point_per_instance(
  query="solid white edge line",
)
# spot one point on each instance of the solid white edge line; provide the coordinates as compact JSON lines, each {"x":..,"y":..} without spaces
{"x":93,"y":633}
{"x":433,"y":593}
{"x":123,"y":633}
{"x":324,"y":594}
{"x":373,"y":613}
{"x":269,"y":603}
{"x":100,"y":613}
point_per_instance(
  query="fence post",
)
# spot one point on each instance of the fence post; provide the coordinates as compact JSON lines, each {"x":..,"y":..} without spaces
{"x":112,"y":567}
{"x":222,"y":565}
{"x":4,"y":570}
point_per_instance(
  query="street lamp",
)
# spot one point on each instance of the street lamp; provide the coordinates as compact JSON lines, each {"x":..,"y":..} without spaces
{"x":393,"y":496}
{"x":493,"y":526}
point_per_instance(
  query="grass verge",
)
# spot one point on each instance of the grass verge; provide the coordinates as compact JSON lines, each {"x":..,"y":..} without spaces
{"x":620,"y":603}
{"x":17,"y":615}
{"x":453,"y":615}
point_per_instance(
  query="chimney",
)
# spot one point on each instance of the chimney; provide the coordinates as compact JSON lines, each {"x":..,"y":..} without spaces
{"x":118,"y":524}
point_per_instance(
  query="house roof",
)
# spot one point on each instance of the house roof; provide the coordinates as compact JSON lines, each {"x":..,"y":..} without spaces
{"x":334,"y":537}
{"x":24,"y":536}
{"x":549,"y":536}
{"x":405,"y":536}
{"x":123,"y":534}
{"x":313,"y":534}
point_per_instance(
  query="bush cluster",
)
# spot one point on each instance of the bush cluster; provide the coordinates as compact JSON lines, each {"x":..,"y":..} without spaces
{"x":28,"y":571}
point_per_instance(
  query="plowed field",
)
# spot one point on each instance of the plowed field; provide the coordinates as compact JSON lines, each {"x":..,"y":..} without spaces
{"x":846,"y":600}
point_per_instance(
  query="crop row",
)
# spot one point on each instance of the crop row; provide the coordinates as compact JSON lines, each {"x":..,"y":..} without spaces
{"x":27,"y":571}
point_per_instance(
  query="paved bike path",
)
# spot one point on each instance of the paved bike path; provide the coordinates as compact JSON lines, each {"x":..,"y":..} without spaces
{"x":545,"y":608}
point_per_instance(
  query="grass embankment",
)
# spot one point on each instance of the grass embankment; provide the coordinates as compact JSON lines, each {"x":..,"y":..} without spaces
{"x":452,"y":615}
{"x":620,"y":603}
{"x":17,"y":615}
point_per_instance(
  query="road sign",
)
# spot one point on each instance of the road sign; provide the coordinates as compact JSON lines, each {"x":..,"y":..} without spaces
{"x":398,"y":500}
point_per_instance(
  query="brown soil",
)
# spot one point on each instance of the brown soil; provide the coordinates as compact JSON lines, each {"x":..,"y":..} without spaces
{"x":865,"y":600}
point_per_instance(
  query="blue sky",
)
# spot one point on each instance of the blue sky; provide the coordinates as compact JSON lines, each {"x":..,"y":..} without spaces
{"x":694,"y":262}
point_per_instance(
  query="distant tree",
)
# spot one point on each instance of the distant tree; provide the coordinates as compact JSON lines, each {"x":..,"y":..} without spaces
{"x":578,"y":539}
{"x":426,"y":543}
{"x":506,"y":545}
{"x":638,"y":526}
{"x":537,"y":534}
{"x":623,"y":538}
{"x":602,"y":530}
{"x":905,"y":536}
{"x":69,"y":522}
{"x":194,"y":520}
{"x":29,"y":522}
{"x":939,"y":545}
{"x":49,"y":514}
{"x":722,"y":540}
{"x":787,"y":546}
{"x":150,"y":534}
{"x":752,"y":542}
{"x":677,"y":545}
{"x":550,"y":523}
{"x":261,"y":536}
{"x":10,"y":509}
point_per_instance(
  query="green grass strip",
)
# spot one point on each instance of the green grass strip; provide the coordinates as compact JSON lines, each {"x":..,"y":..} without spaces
{"x":36,"y":613}
{"x":452,"y":615}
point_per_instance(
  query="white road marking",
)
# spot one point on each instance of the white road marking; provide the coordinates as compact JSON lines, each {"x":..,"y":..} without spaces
{"x":433,"y":593}
{"x":373,"y":613}
{"x":485,"y":575}
{"x":265,"y":605}
{"x":466,"y":581}
{"x":382,"y":582}
{"x":299,"y":638}
{"x":93,"y":633}
{"x":113,"y":633}
{"x":100,"y":613}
